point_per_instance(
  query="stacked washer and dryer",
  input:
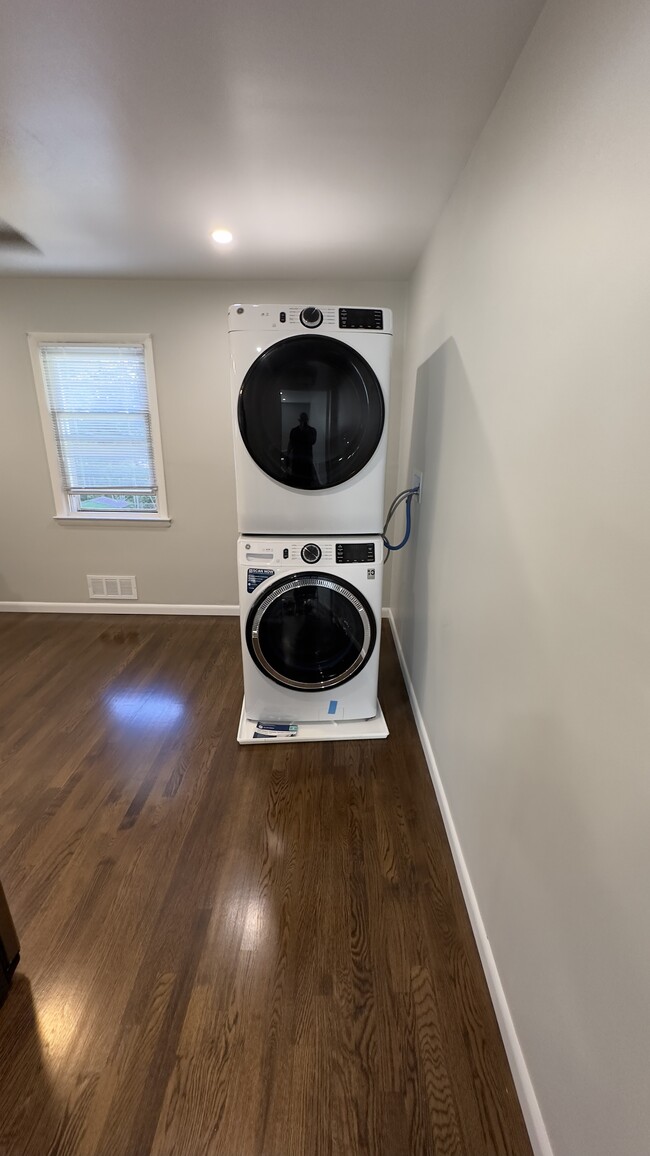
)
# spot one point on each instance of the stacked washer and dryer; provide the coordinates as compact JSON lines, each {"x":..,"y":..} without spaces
{"x":310,"y":406}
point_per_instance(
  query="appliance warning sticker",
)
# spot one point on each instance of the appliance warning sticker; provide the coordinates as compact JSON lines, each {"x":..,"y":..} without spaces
{"x":254,"y":576}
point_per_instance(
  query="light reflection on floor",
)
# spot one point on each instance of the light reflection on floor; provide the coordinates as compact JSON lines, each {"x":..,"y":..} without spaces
{"x":60,"y":1010}
{"x":255,"y":924}
{"x":146,"y":709}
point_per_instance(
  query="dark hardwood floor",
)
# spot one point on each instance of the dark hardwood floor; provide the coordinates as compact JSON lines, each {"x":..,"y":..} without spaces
{"x":226,"y":951}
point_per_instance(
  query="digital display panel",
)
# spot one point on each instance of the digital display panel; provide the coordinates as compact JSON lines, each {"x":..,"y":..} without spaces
{"x":361,"y":319}
{"x":355,"y":552}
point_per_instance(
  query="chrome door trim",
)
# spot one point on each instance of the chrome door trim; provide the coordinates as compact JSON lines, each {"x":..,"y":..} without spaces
{"x":295,"y":583}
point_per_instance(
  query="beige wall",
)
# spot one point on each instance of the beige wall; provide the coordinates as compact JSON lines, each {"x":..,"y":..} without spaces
{"x":523,"y":603}
{"x":193,"y":560}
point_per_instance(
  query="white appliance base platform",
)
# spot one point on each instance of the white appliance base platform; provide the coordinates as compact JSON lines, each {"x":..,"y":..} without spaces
{"x":316,"y":732}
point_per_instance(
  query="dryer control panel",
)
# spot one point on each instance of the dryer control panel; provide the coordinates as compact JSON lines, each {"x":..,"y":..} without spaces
{"x":309,"y":317}
{"x":361,"y":319}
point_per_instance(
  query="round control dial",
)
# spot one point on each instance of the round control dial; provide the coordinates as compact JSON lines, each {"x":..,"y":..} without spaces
{"x":311,"y":553}
{"x":311,"y":317}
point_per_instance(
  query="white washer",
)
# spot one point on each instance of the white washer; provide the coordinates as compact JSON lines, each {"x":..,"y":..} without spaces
{"x":310,"y":412}
{"x":310,"y":612}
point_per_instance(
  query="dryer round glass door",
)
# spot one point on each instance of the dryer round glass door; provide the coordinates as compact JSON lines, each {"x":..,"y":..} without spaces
{"x":311,"y":631}
{"x":311,"y":412}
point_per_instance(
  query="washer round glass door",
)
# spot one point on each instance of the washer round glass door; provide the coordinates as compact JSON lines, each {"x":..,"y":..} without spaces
{"x":311,"y":412}
{"x":311,"y":631}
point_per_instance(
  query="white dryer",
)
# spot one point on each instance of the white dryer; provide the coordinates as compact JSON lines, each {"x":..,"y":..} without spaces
{"x":310,"y":626}
{"x":310,"y":410}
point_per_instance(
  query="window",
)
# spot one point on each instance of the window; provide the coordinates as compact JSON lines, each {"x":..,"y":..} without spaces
{"x":100,"y":421}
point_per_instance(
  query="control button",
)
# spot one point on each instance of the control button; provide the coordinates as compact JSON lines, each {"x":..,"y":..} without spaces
{"x":285,"y":553}
{"x":283,"y":316}
{"x":310,"y":553}
{"x":311,"y":317}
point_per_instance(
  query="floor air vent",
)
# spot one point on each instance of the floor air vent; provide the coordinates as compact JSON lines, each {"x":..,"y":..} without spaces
{"x":112,"y":586}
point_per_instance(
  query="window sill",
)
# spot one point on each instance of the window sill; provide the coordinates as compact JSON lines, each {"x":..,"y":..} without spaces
{"x":111,"y":519}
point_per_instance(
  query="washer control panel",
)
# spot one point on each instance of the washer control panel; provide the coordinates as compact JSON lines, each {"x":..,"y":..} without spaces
{"x":264,"y":557}
{"x":311,"y":553}
{"x":348,"y":552}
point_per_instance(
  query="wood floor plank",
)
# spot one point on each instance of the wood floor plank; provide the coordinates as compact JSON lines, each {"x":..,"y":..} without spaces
{"x":226,"y":951}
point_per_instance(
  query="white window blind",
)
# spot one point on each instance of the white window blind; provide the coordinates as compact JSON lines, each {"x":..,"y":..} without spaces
{"x":98,"y":400}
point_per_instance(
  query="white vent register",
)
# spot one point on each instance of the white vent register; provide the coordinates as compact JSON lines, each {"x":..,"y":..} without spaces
{"x":112,"y":586}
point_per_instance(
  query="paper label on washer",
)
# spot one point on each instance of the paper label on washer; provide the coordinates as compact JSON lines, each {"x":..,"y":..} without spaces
{"x":255,"y":575}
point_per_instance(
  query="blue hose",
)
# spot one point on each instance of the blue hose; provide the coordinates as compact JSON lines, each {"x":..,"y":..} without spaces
{"x":408,"y":528}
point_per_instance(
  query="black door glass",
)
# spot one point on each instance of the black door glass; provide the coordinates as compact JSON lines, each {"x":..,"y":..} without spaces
{"x":311,"y":634}
{"x":311,"y":412}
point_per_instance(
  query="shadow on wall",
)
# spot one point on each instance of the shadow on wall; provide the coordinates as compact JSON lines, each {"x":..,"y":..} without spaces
{"x":426,"y":438}
{"x":466,"y":614}
{"x":525,"y":742}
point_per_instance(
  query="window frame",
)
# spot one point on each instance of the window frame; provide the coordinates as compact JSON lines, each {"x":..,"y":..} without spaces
{"x":63,"y":510}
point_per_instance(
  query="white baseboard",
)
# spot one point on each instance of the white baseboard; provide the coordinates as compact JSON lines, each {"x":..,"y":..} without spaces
{"x":116,"y":608}
{"x":128,"y":608}
{"x":523,"y":1083}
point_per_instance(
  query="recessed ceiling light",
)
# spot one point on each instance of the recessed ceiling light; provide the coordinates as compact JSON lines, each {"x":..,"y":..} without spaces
{"x":222,"y":236}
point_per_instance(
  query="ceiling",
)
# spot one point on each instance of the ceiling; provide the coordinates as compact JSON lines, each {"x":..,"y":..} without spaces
{"x":326,"y":136}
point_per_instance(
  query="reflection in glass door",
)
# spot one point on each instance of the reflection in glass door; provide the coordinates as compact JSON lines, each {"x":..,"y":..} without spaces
{"x":311,"y":412}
